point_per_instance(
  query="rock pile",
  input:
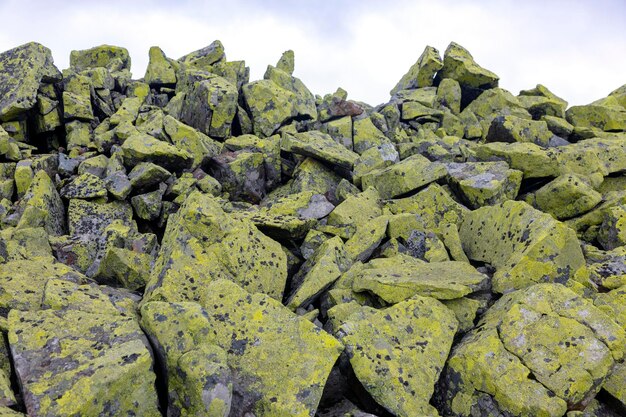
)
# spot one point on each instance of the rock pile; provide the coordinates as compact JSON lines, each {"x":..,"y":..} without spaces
{"x":194,"y":243}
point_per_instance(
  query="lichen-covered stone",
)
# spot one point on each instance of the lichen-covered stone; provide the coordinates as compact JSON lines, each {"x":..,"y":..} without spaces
{"x":86,"y":217}
{"x":366,"y":135}
{"x":484,"y":183}
{"x":42,"y":206}
{"x":612,"y":233}
{"x":160,"y":70}
{"x":441,"y":280}
{"x":324,"y":267}
{"x":397,"y":353}
{"x":113,"y":58}
{"x":85,"y":186}
{"x":144,"y":148}
{"x":514,"y":129}
{"x":366,"y":239}
{"x":264,"y":383}
{"x":357,"y":209}
{"x":320,"y":146}
{"x":73,"y":362}
{"x":421,"y":73}
{"x":459,"y":65}
{"x":91,"y":298}
{"x":568,"y":345}
{"x":26,"y":243}
{"x":565,"y":197}
{"x":525,"y":246}
{"x":604,"y":118}
{"x":407,"y":175}
{"x":210,"y":107}
{"x":22,"y":281}
{"x":202,"y":243}
{"x":22,"y":69}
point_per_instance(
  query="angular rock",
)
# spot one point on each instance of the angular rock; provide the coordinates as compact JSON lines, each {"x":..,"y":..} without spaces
{"x":210,"y":107}
{"x":202,"y":243}
{"x":565,"y":197}
{"x":144,"y":148}
{"x":320,"y":146}
{"x":440,"y":280}
{"x":186,"y":138}
{"x":525,"y":246}
{"x":113,"y":58}
{"x":546,"y":330}
{"x":514,"y":129}
{"x":73,"y":362}
{"x":84,"y":186}
{"x":160,"y":70}
{"x":484,"y":183}
{"x":22,"y":69}
{"x":403,"y":177}
{"x":612,"y":233}
{"x":459,"y":65}
{"x":324,"y":267}
{"x":397,"y":353}
{"x":232,"y":319}
{"x":421,"y":73}
{"x":92,"y":217}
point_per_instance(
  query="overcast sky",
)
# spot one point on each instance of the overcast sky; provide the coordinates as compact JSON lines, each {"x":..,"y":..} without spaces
{"x":575,"y":48}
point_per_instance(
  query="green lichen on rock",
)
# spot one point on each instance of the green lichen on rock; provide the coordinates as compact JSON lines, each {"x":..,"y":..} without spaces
{"x":42,"y":206}
{"x":73,"y":362}
{"x":459,"y":65}
{"x":144,"y":148}
{"x":320,"y":146}
{"x":565,"y":197}
{"x":85,"y":186}
{"x":407,"y":175}
{"x":525,"y":246}
{"x":612,"y":232}
{"x":323,"y":268}
{"x":22,"y":69}
{"x":568,"y":345}
{"x":421,"y":73}
{"x":203,"y":243}
{"x":231,"y":318}
{"x":160,"y":70}
{"x":515,"y":129}
{"x":484,"y":183}
{"x":397,"y":353}
{"x":396,"y":283}
{"x":113,"y":58}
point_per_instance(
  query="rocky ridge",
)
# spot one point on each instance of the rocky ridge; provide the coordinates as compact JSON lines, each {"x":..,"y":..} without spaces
{"x":194,"y":243}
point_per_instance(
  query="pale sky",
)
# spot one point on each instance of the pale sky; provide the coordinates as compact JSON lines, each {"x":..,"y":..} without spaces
{"x":575,"y":48}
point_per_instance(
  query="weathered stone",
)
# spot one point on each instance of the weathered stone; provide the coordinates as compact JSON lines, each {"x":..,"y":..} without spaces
{"x":459,"y":65}
{"x":144,"y":148}
{"x":612,"y":233}
{"x":546,"y":330}
{"x":441,"y":280}
{"x":319,"y":271}
{"x":484,"y":183}
{"x":231,"y":318}
{"x":241,"y":174}
{"x":366,"y":135}
{"x":22,"y":69}
{"x":397,"y":353}
{"x":403,"y":177}
{"x":42,"y":206}
{"x":525,"y":246}
{"x":160,"y":70}
{"x":84,"y":186}
{"x":203,"y":243}
{"x":421,"y":73}
{"x":565,"y":197}
{"x":319,"y":145}
{"x":113,"y":58}
{"x":514,"y":129}
{"x":203,"y":58}
{"x":604,"y":118}
{"x":73,"y":362}
{"x":87,"y":217}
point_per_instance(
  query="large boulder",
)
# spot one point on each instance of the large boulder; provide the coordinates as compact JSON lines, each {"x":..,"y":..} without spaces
{"x":280,"y":362}
{"x":538,"y":351}
{"x":22,"y":70}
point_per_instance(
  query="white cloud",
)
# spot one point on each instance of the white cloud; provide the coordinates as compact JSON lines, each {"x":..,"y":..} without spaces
{"x":574,"y":48}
